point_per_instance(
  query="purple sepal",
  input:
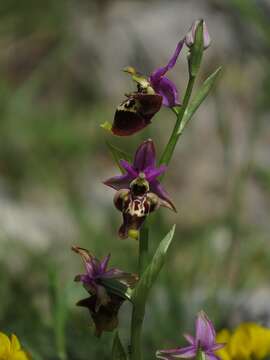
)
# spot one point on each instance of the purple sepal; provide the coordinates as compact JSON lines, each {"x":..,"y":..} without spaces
{"x":204,"y":340}
{"x":162,"y":85}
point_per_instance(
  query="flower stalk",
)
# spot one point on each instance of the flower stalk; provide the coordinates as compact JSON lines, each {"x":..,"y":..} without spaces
{"x":138,"y":311}
{"x":194,"y":62}
{"x":136,"y":331}
{"x":169,"y":149}
{"x":139,"y":193}
{"x":143,"y":247}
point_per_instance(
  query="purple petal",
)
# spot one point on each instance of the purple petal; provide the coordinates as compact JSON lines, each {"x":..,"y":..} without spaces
{"x":190,"y":339}
{"x":205,"y":332}
{"x":129,"y":168}
{"x":90,"y":268}
{"x":104,"y":263}
{"x":145,"y":156}
{"x":119,"y":182}
{"x":182,"y":353}
{"x":167,"y":89}
{"x":157,"y":188}
{"x":152,"y":173}
{"x":158,"y":73}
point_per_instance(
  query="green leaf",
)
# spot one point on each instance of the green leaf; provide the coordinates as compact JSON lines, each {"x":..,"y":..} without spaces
{"x":118,"y":352}
{"x":59,"y":308}
{"x":151,"y":273}
{"x":118,"y":155}
{"x":196,"y":51}
{"x":198,"y":99}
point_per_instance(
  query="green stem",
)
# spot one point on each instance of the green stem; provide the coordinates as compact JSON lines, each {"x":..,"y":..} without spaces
{"x":139,"y":309}
{"x":136,"y":332}
{"x":59,"y":312}
{"x":168,"y":152}
{"x":143,"y":247}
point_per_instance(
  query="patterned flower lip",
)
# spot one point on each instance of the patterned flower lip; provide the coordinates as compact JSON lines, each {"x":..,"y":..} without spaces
{"x":204,"y":340}
{"x":135,"y":113}
{"x":139,"y":192}
{"x":144,"y":163}
{"x":137,"y":110}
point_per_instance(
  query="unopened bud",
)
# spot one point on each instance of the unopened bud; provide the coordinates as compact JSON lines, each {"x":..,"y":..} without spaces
{"x":190,"y":37}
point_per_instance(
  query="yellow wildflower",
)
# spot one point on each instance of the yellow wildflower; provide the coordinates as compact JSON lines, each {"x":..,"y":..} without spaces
{"x":10,"y":349}
{"x":248,"y":341}
{"x":223,"y":337}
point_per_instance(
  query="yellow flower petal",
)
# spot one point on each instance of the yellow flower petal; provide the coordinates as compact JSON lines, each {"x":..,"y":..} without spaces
{"x":260,"y":340}
{"x":4,"y":345}
{"x":240,"y":344}
{"x":11,"y":349}
{"x":20,"y":355}
{"x":249,"y":341}
{"x":15,"y":344}
{"x":223,"y":337}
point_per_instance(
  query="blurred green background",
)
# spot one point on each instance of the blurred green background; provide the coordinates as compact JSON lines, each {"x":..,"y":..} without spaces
{"x":60,"y":78}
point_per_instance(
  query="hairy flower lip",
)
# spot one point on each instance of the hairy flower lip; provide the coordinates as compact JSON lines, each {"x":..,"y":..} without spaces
{"x":135,"y":209}
{"x":139,"y":192}
{"x":144,"y":162}
{"x":135,"y":113}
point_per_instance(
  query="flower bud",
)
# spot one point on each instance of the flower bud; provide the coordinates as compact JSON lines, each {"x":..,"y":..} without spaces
{"x":190,"y":37}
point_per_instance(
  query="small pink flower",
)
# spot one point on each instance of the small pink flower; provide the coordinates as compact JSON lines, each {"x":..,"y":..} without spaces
{"x":204,"y":340}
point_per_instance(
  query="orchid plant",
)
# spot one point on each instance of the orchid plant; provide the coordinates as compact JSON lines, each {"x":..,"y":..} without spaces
{"x":139,"y":193}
